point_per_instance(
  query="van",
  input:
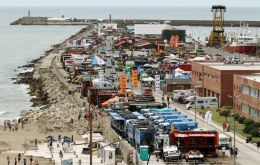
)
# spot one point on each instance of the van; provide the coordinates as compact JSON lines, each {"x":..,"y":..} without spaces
{"x":182,"y":93}
{"x":207,"y":102}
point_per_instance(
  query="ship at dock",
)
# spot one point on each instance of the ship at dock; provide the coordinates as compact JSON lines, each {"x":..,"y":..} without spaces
{"x":243,"y":44}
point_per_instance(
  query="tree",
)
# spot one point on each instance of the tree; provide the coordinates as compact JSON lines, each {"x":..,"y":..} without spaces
{"x":225,"y":113}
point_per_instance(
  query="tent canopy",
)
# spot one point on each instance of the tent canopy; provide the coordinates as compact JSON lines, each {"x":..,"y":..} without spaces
{"x":149,"y":79}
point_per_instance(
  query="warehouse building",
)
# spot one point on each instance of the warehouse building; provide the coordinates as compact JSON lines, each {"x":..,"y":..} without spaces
{"x":216,"y":78}
{"x":247,"y":87}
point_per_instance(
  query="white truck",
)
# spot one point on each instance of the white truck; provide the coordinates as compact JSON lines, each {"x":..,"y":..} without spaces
{"x":182,"y":93}
{"x":168,"y":152}
{"x":224,"y":141}
{"x":206,"y":102}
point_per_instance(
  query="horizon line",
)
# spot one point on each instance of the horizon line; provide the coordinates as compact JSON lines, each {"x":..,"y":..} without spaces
{"x":129,"y":6}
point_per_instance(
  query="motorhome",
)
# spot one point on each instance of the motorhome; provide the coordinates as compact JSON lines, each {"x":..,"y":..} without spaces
{"x":206,"y":102}
{"x":182,"y":93}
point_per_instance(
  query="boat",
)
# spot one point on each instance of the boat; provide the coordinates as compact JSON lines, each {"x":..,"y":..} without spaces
{"x":243,"y":44}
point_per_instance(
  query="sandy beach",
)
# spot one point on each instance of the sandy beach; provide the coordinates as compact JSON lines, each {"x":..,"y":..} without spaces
{"x":61,"y":116}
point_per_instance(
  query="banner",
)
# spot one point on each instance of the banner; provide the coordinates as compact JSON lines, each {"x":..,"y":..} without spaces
{"x":123,"y":83}
{"x":157,"y":82}
{"x":135,"y":78}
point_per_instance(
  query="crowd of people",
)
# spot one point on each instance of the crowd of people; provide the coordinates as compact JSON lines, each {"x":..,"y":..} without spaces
{"x":24,"y":161}
{"x":13,"y":126}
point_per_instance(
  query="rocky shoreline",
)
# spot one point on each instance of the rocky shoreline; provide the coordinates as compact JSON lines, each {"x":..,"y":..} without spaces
{"x":57,"y":110}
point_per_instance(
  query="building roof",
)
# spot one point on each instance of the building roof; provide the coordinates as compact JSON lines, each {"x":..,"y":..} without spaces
{"x":223,"y":66}
{"x":150,"y":28}
{"x":254,"y":77}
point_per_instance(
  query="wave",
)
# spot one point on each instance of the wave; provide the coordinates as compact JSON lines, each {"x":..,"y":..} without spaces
{"x":3,"y":112}
{"x":24,"y":70}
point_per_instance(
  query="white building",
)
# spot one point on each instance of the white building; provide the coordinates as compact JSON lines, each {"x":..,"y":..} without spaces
{"x":150,"y":29}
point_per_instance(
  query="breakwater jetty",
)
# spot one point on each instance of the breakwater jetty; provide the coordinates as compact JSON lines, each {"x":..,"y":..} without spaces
{"x":75,"y":21}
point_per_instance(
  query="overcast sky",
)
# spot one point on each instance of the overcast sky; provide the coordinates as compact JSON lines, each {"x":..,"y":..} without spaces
{"x":229,"y":3}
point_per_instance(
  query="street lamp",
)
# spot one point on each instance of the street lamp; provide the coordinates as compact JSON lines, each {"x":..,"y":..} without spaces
{"x":233,"y":101}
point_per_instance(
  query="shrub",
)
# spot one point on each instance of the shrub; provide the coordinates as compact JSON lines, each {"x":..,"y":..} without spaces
{"x":236,"y":116}
{"x":225,"y":113}
{"x":255,"y":132}
{"x":248,"y":122}
{"x":256,"y":125}
{"x":241,"y":119}
{"x":248,"y":128}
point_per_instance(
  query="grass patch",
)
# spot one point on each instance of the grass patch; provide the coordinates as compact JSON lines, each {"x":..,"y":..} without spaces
{"x":221,"y":119}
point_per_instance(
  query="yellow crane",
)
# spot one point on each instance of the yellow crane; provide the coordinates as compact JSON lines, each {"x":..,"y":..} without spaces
{"x":217,"y":34}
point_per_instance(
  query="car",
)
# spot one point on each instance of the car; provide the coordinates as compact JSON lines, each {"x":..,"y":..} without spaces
{"x":113,"y":71}
{"x":194,"y":155}
{"x":147,"y":91}
{"x":108,"y":66}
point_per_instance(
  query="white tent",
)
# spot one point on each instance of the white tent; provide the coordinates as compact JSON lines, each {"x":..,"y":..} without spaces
{"x":149,"y":79}
{"x":178,"y":70}
{"x":199,"y":59}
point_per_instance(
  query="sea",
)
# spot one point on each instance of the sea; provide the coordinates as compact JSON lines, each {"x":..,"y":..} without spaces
{"x":21,"y":44}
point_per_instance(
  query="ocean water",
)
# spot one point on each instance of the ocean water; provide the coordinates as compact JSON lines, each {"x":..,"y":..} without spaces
{"x":21,"y":44}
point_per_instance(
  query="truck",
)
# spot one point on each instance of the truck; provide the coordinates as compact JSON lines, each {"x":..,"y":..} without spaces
{"x":177,"y":125}
{"x":207,"y":142}
{"x":171,"y":153}
{"x":144,"y":136}
{"x":167,"y":152}
{"x":224,"y":141}
{"x":182,"y":93}
{"x":207,"y":102}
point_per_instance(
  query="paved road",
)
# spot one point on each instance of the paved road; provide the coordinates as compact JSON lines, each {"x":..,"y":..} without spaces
{"x":247,"y":155}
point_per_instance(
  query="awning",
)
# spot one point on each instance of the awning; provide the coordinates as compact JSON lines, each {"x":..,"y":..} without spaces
{"x":120,"y":43}
{"x":193,"y":135}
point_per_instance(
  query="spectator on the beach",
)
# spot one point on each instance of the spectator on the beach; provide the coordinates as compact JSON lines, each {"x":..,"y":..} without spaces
{"x":15,"y":161}
{"x":22,"y":125}
{"x":24,"y":161}
{"x":61,"y":154}
{"x":72,"y":139}
{"x":31,"y":160}
{"x":35,"y":142}
{"x":36,"y":162}
{"x":16,"y":127}
{"x":8,"y":160}
{"x":5,"y":125}
{"x":19,"y":157}
{"x":59,"y":137}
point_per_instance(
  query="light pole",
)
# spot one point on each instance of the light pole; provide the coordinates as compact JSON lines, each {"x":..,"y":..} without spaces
{"x":234,"y":148}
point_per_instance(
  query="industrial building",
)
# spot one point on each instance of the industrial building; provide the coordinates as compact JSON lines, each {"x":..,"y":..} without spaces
{"x":216,"y":78}
{"x":247,"y":88}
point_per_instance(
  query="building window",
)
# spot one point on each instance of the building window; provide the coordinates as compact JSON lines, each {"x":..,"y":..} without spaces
{"x":254,"y":92}
{"x":245,"y":108}
{"x":246,"y":89}
{"x":253,"y":112}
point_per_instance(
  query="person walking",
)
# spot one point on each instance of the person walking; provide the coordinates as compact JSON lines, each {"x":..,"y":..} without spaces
{"x":31,"y":160}
{"x":15,"y":161}
{"x":8,"y":160}
{"x":258,"y":145}
{"x":24,"y":161}
{"x":223,"y":150}
{"x":19,"y":157}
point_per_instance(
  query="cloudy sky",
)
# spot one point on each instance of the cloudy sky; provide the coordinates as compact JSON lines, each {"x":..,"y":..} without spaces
{"x":230,"y":3}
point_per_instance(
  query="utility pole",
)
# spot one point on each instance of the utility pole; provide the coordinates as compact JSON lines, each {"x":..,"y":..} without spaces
{"x":234,"y":148}
{"x":89,"y":116}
